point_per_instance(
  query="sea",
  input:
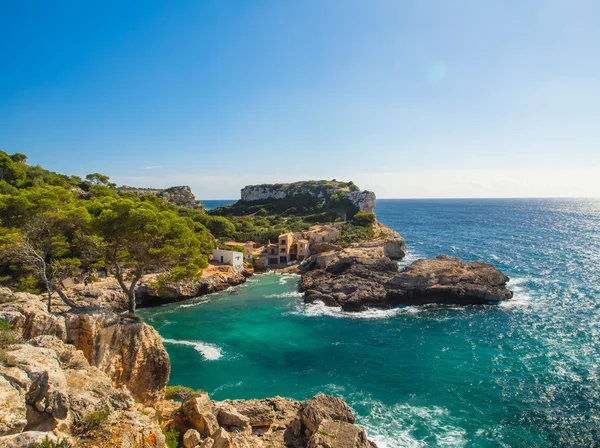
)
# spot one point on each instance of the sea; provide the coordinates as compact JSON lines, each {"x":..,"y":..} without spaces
{"x":525,"y":373}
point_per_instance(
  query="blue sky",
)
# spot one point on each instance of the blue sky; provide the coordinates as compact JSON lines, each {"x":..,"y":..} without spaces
{"x":408,"y":98}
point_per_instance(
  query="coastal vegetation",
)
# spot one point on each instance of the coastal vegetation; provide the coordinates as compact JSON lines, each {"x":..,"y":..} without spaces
{"x":54,"y":226}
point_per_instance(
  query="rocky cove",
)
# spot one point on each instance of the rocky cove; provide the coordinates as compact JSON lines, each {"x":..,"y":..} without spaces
{"x":65,"y":370}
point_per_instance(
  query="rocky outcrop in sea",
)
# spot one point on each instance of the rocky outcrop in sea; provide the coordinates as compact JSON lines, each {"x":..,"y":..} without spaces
{"x":355,"y":283}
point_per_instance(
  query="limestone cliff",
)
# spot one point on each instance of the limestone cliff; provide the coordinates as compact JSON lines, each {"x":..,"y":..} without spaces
{"x":127,"y":350}
{"x":181,"y":196}
{"x":50,"y":391}
{"x":318,"y":191}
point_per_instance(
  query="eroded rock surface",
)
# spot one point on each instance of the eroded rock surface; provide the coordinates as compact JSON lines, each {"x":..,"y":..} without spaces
{"x":358,"y":282}
{"x":53,"y":389}
{"x":130,"y":352}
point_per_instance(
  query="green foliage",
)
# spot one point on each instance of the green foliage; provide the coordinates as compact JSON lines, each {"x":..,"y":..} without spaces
{"x":171,"y":437}
{"x":7,"y":338}
{"x":54,"y":226}
{"x":181,"y":393}
{"x":363,"y":219}
{"x":220,"y":227}
{"x":95,"y":420}
{"x":47,"y":443}
{"x":351,"y":233}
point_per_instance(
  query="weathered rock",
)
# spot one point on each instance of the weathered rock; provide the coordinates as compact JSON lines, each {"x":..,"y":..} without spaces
{"x":338,"y":434}
{"x":448,"y":280}
{"x":222,"y":439}
{"x":199,"y":412}
{"x":59,"y":388}
{"x":352,"y":283}
{"x":255,"y":412}
{"x":26,"y":439}
{"x":149,"y":296}
{"x":323,"y":407}
{"x":130,"y":352}
{"x":207,"y":443}
{"x":13,"y":412}
{"x":180,"y":196}
{"x":191,"y":438}
{"x":356,"y":283}
{"x":229,"y":416}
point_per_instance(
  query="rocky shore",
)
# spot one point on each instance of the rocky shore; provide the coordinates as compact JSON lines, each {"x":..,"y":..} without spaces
{"x":91,"y":378}
{"x":357,"y":280}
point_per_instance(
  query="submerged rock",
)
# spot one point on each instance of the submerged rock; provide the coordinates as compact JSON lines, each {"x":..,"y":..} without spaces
{"x":356,"y":283}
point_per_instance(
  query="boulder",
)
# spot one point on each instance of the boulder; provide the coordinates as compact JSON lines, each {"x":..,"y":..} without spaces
{"x":207,"y":443}
{"x":13,"y":412}
{"x":222,"y":439}
{"x":255,"y":412}
{"x":191,"y":438}
{"x":229,"y":416}
{"x":338,"y":434}
{"x":199,"y":412}
{"x":323,"y":407}
{"x":27,"y":439}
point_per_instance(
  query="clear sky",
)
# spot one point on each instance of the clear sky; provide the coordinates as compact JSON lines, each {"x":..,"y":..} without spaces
{"x":427,"y":98}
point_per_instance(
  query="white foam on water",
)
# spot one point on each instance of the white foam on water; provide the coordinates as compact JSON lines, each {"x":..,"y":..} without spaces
{"x":226,"y":386}
{"x":195,"y":303}
{"x":318,"y":308}
{"x":282,"y":295}
{"x":210,"y":352}
{"x":395,"y":426}
{"x":521,"y":296}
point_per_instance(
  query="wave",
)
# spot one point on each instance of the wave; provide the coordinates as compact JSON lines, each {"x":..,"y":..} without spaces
{"x":195,"y":303}
{"x":225,"y":386}
{"x":433,"y":424}
{"x":210,"y":352}
{"x":283,"y":295}
{"x":521,"y":296}
{"x":318,"y":308}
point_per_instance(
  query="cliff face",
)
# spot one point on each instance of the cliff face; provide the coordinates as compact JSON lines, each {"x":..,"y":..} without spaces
{"x":49,"y":391}
{"x":318,"y":190}
{"x":130,"y":352}
{"x":181,"y":196}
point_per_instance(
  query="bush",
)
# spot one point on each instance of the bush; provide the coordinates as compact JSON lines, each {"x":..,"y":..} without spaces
{"x":95,"y":420}
{"x":7,"y":336}
{"x":182,"y":393}
{"x":47,"y":443}
{"x":363,"y":219}
{"x":171,"y":437}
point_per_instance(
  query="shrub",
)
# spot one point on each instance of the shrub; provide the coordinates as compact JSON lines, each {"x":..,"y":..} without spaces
{"x":171,"y":437}
{"x":47,"y":443}
{"x":363,"y":218}
{"x":95,"y":420}
{"x":182,"y":393}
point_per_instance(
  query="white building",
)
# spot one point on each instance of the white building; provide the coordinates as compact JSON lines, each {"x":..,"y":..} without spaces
{"x":230,"y":257}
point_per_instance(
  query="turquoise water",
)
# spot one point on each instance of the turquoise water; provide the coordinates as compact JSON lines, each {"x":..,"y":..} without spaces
{"x":522,"y":374}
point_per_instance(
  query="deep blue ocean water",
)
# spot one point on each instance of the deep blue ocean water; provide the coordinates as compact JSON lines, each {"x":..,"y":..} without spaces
{"x":209,"y":204}
{"x":521,"y":374}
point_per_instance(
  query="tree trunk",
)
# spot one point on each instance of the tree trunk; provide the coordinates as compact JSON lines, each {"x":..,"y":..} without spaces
{"x":131,"y":297}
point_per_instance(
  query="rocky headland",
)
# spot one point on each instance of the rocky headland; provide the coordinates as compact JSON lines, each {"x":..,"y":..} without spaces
{"x":356,"y":280}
